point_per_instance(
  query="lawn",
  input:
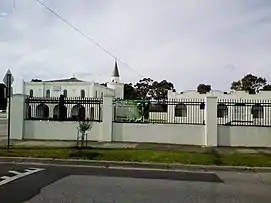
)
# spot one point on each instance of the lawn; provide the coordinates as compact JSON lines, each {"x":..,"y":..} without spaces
{"x":208,"y":157}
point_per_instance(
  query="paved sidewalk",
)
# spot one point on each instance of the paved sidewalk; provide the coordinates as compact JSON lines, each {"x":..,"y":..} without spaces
{"x":126,"y":145}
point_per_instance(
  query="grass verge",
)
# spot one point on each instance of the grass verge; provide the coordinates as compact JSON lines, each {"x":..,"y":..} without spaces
{"x":208,"y":157}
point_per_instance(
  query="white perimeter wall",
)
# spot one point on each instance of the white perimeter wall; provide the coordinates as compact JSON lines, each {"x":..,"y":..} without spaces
{"x":153,"y":133}
{"x":159,"y":133}
{"x":53,"y":130}
{"x":204,"y":135}
{"x":244,"y":136}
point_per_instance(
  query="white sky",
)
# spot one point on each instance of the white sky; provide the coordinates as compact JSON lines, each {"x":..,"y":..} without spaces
{"x":186,"y":42}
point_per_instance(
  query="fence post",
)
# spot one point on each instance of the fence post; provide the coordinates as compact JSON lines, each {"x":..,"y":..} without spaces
{"x":211,"y":121}
{"x":17,"y":113}
{"x":107,"y":117}
{"x":62,"y":108}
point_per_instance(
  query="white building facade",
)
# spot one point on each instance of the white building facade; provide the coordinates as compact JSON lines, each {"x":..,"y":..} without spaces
{"x":74,"y":87}
{"x":237,"y":107}
{"x":82,"y":99}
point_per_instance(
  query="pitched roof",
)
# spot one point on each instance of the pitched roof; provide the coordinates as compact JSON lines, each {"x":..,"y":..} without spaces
{"x":116,"y":70}
{"x":73,"y":79}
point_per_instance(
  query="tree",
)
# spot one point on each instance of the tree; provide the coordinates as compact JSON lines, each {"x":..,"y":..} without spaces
{"x":267,"y":88}
{"x":203,"y":89}
{"x":83,"y":127}
{"x":158,"y":90}
{"x":146,"y":89}
{"x":249,"y":83}
{"x":142,"y":88}
{"x":129,"y":91}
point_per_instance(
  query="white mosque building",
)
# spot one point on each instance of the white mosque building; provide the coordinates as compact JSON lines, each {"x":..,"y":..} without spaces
{"x":44,"y":96}
{"x":74,"y":87}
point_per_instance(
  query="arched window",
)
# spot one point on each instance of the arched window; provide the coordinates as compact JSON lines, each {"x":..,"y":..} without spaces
{"x":56,"y":112}
{"x":82,"y":93}
{"x":96,"y":94}
{"x":78,"y":112}
{"x":65,"y":93}
{"x":31,"y":93}
{"x":47,"y":93}
{"x":102,"y":94}
{"x":257,"y":111}
{"x":222,"y":110}
{"x":42,"y":111}
{"x":181,"y":110}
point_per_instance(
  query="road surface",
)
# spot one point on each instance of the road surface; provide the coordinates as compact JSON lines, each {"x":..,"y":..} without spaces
{"x":54,"y":184}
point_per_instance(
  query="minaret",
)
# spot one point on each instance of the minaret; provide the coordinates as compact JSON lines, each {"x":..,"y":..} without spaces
{"x":115,"y":76}
{"x":115,"y":83}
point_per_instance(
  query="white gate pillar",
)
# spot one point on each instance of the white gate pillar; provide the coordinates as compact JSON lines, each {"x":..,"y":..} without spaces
{"x":211,"y":121}
{"x":17,"y":114}
{"x":107,"y":119}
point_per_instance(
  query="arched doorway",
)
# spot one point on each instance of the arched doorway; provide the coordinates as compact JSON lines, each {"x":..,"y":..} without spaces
{"x":78,"y":112}
{"x":222,"y":110}
{"x":257,"y":111}
{"x":42,"y":111}
{"x":56,"y":112}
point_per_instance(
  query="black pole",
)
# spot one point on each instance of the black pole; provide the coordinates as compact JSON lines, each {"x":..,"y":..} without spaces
{"x":61,"y":108}
{"x":9,"y":98}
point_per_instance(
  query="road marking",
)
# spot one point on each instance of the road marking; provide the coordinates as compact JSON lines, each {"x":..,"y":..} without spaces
{"x":15,"y":172}
{"x":18,"y":175}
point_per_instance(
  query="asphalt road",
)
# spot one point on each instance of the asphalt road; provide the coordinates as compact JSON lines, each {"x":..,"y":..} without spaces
{"x":54,"y":184}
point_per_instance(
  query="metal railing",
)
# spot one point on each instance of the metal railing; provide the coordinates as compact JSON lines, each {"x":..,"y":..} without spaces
{"x":175,"y":111}
{"x":242,"y":112}
{"x":63,"y":109}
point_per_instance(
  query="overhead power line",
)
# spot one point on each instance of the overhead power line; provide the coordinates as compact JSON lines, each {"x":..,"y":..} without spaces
{"x":14,"y":4}
{"x":85,"y":35}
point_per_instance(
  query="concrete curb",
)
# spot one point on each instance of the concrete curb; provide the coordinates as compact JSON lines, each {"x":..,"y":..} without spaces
{"x":136,"y":165}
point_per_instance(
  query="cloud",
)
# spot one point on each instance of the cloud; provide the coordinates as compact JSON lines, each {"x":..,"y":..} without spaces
{"x":186,"y":42}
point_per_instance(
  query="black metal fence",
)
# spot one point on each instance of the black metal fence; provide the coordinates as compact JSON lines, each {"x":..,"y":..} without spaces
{"x":237,"y":112}
{"x":175,"y":111}
{"x":241,"y":112}
{"x":63,"y":109}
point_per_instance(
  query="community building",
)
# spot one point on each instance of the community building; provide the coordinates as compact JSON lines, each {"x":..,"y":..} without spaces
{"x":236,"y":106}
{"x":74,"y":87}
{"x":82,"y":99}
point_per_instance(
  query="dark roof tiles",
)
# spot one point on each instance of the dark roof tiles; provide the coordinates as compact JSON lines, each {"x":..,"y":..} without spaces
{"x":73,"y":79}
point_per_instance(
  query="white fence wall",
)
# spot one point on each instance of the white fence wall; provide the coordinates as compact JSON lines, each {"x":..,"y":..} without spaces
{"x":245,"y":136}
{"x":159,"y":133}
{"x":54,"y":130}
{"x":209,"y":134}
